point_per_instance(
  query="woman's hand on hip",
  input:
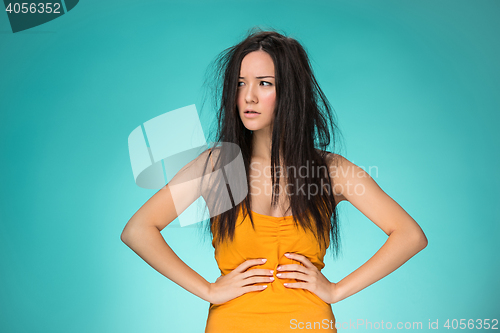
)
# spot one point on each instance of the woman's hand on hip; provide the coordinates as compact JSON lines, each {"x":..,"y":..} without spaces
{"x":313,"y":279}
{"x":240,"y":281}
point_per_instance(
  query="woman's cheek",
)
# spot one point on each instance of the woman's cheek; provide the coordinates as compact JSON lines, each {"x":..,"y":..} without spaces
{"x":269,"y":99}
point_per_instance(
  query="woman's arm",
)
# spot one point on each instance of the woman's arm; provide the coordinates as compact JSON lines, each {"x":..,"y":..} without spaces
{"x":406,"y":238}
{"x":142,"y":232}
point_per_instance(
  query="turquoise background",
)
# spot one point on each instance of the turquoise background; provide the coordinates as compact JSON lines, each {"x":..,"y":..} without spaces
{"x":415,"y":87}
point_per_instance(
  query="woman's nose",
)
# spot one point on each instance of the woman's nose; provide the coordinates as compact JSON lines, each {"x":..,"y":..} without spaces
{"x":250,"y":95}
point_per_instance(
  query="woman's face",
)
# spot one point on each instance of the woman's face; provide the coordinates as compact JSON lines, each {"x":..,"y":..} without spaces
{"x":256,"y":91}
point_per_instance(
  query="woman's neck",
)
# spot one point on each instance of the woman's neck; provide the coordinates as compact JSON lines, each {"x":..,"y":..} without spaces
{"x":262,"y":143}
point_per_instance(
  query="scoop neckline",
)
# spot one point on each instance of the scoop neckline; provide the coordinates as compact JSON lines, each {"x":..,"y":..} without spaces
{"x":272,"y":217}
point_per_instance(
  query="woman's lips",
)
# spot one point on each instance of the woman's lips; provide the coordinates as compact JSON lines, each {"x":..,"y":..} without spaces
{"x":251,"y":114}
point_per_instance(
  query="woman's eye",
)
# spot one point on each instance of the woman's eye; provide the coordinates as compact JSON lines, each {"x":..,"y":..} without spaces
{"x":265,"y":83}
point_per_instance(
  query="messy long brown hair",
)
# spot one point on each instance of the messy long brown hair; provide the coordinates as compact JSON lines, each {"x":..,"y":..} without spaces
{"x":303,"y":130}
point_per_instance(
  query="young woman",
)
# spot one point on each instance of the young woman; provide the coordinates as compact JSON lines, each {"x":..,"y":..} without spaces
{"x":270,"y":246}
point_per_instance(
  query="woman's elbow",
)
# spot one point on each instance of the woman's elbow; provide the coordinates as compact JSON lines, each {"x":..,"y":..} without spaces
{"x":424,"y":241}
{"x":414,"y":238}
{"x":126,"y":234}
{"x":420,"y":240}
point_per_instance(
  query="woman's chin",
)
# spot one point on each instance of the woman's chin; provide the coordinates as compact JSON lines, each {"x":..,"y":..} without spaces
{"x":253,"y":125}
{"x":253,"y":128}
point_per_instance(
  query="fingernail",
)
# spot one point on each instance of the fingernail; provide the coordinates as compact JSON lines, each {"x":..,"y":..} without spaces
{"x":279,"y":267}
{"x":271,"y":278}
{"x":272,"y":272}
{"x":279,"y":274}
{"x":264,"y":260}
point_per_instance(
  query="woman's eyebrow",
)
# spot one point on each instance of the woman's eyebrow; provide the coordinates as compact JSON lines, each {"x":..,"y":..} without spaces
{"x":259,"y":77}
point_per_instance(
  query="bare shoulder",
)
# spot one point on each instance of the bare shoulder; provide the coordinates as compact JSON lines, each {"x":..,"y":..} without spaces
{"x":193,"y":169}
{"x":171,"y":200}
{"x":355,"y":185}
{"x":334,"y":161}
{"x":342,"y":167}
{"x":214,"y":152}
{"x":344,"y":174}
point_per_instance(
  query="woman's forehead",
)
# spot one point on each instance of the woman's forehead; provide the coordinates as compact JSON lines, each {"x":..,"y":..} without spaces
{"x":257,"y":64}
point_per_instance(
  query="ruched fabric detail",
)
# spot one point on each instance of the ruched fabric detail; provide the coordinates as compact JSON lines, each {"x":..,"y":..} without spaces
{"x":276,"y":308}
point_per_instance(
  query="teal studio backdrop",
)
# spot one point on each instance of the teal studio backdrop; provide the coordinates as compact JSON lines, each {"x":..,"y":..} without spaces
{"x":415,"y":88}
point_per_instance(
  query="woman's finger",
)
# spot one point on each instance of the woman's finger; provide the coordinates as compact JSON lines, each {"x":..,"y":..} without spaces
{"x":249,"y":263}
{"x":254,"y":288}
{"x":292,"y":267}
{"x":301,"y":258}
{"x":296,"y":276}
{"x":297,"y":285}
{"x":255,"y":279}
{"x":257,"y":271}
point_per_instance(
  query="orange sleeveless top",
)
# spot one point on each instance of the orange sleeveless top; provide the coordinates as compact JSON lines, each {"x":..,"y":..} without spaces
{"x":276,"y":308}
